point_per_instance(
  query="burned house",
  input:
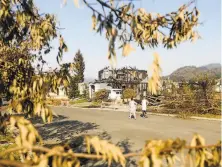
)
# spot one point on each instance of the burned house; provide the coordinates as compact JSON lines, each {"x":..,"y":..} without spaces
{"x":123,"y":78}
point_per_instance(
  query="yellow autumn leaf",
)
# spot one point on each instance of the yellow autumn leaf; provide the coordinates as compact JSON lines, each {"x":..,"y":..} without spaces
{"x":18,"y":141}
{"x":156,"y":57}
{"x":43,"y":115}
{"x":201,"y":139}
{"x":154,"y":81}
{"x":65,"y":83}
{"x":94,"y":21}
{"x":208,"y":154}
{"x":43,"y":163}
{"x":77,"y":164}
{"x":193,"y":141}
{"x":127,"y":49}
{"x":19,"y":108}
{"x":144,"y":161}
{"x":24,"y":133}
{"x":40,"y":82}
{"x":14,"y":82}
{"x":20,"y":61}
{"x":46,"y":112}
{"x":114,"y":32}
{"x":142,"y":10}
{"x":181,"y":15}
{"x":34,"y":86}
{"x":12,"y":122}
{"x":31,"y":138}
{"x":37,"y":109}
{"x":87,"y":144}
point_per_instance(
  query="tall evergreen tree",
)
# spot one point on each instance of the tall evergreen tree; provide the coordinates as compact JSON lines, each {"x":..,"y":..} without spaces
{"x":78,"y":75}
{"x":79,"y":67}
{"x":73,"y":88}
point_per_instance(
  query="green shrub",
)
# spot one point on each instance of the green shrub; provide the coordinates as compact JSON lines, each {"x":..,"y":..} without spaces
{"x":101,"y":95}
{"x":129,"y":93}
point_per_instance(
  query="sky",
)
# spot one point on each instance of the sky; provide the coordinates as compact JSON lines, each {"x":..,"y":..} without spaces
{"x":78,"y":34}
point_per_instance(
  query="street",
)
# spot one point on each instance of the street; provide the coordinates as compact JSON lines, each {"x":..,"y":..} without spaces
{"x":117,"y":127}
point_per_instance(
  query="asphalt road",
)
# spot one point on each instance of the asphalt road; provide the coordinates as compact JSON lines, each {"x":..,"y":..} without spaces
{"x":117,"y":127}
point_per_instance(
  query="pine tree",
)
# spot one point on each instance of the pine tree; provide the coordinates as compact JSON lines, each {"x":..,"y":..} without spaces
{"x":73,"y":88}
{"x":78,"y":75}
{"x":79,"y":67}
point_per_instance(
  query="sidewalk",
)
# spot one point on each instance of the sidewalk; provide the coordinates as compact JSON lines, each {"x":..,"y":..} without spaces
{"x":125,"y":109}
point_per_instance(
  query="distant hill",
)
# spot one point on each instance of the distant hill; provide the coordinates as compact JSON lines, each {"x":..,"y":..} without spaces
{"x":190,"y":72}
{"x":213,"y":66}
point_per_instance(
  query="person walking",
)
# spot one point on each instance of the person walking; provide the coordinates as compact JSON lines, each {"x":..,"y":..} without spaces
{"x":132,"y":108}
{"x":144,"y":105}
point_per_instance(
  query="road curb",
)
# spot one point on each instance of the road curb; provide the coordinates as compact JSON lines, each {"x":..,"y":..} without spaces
{"x":149,"y":113}
{"x":204,"y":118}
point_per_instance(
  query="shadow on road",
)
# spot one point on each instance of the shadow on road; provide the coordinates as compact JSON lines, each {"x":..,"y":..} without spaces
{"x":77,"y":145}
{"x":71,"y":133}
{"x":62,"y":129}
{"x":38,"y":120}
{"x":126,"y":147}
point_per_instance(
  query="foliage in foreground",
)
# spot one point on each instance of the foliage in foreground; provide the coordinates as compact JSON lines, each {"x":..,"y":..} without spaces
{"x":124,"y":23}
{"x":155,"y":152}
{"x":25,"y":40}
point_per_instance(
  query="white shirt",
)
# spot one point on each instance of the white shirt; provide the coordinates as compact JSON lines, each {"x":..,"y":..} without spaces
{"x":144,"y":104}
{"x":132,"y":105}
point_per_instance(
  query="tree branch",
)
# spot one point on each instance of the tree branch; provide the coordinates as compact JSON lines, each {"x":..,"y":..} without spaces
{"x":13,"y":163}
{"x":94,"y":10}
{"x":94,"y":156}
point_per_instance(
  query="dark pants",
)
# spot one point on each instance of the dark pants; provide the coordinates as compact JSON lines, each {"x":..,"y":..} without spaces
{"x":144,"y":113}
